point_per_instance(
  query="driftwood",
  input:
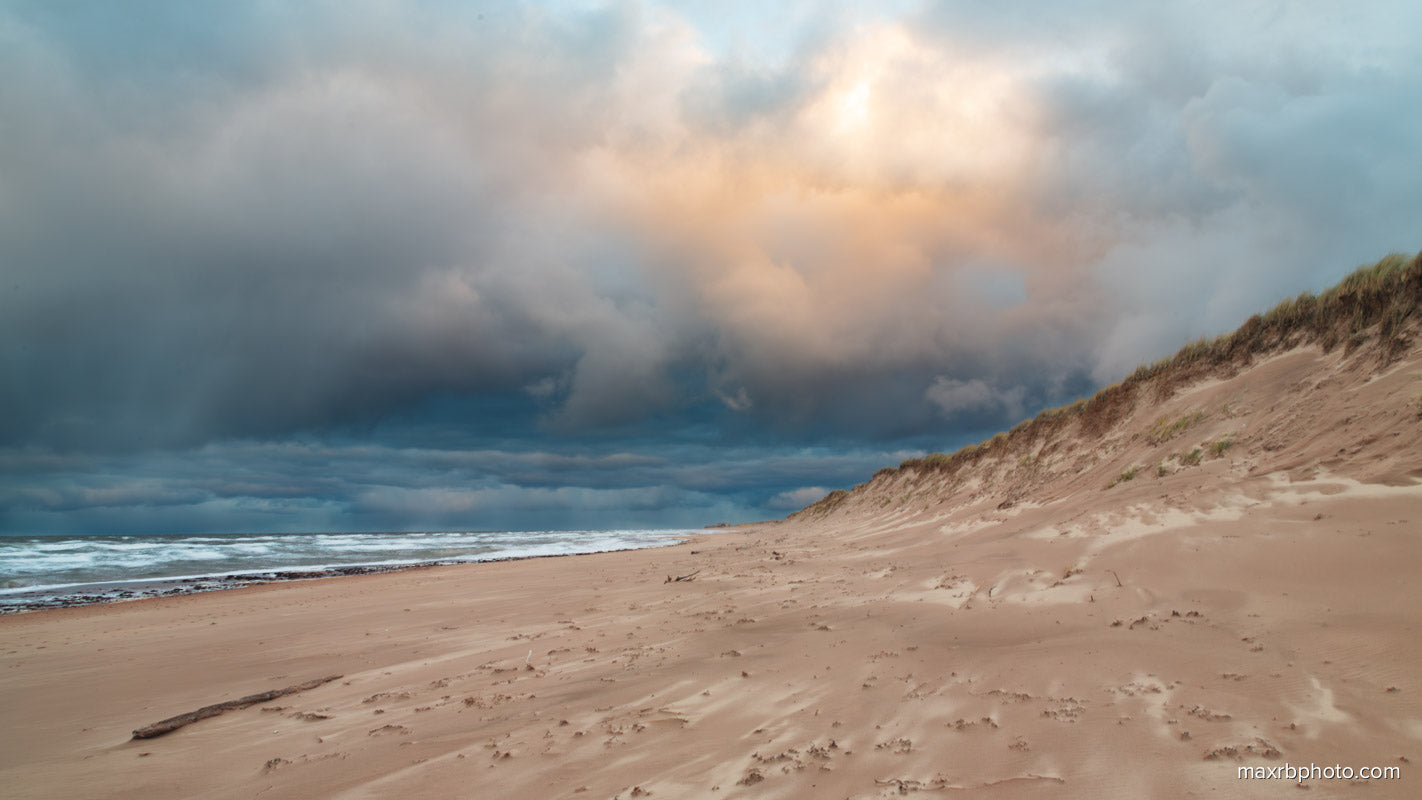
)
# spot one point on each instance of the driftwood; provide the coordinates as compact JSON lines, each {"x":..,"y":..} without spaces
{"x":173,"y":723}
{"x":679,"y":578}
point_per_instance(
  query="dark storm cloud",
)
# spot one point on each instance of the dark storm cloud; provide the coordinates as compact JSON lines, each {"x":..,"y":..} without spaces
{"x":251,"y":251}
{"x":635,"y":256}
{"x":294,"y":485}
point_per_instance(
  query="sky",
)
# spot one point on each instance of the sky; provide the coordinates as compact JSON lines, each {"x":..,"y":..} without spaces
{"x":376,"y":265}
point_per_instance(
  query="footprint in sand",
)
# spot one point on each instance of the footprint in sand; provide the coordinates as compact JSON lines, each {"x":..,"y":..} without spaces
{"x":961,"y":724}
{"x":899,"y":746}
{"x":1066,"y":709}
{"x":1259,"y":748}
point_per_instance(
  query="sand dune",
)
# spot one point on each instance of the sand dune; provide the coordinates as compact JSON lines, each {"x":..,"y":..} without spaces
{"x":1042,"y":627}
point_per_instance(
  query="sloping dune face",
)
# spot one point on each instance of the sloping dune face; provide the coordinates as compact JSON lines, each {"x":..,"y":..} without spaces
{"x":1204,"y":572}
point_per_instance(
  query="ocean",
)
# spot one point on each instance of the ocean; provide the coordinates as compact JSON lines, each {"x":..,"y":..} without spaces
{"x":45,"y":571}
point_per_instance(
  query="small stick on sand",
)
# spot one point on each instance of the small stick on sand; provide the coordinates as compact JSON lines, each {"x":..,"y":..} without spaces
{"x":1118,"y":578}
{"x":173,"y":723}
{"x":680,"y":578}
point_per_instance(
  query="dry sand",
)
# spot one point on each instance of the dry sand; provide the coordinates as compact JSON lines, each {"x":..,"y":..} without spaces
{"x":1261,"y":607}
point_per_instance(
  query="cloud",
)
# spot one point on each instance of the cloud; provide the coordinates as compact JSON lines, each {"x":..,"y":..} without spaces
{"x":370,"y":218}
{"x":359,"y":484}
{"x":1222,"y":165}
{"x":797,"y":498}
{"x":955,"y":397}
{"x":741,"y":401}
{"x":552,"y":227}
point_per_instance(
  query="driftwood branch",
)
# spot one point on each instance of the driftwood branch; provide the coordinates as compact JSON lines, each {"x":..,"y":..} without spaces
{"x":173,"y":723}
{"x":1118,"y":578}
{"x":680,"y":578}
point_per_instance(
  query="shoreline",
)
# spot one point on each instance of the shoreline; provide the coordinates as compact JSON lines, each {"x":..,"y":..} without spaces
{"x":22,"y":600}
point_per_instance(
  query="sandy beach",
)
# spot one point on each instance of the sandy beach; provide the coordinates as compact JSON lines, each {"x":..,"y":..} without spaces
{"x":1079,"y":634}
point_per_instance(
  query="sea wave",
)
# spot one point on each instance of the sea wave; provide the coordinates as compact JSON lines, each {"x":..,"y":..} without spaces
{"x":29,"y":563}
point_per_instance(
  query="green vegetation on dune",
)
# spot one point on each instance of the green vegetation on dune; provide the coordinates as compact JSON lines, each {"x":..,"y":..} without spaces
{"x":1164,"y":430}
{"x":1126,"y":475}
{"x":1218,"y":447}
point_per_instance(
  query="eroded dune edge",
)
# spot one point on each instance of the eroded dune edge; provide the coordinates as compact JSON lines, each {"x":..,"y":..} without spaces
{"x":1211,"y":566}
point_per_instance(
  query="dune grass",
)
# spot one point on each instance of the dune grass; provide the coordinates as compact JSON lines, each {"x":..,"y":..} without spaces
{"x":1164,"y":430}
{"x":1125,"y":475}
